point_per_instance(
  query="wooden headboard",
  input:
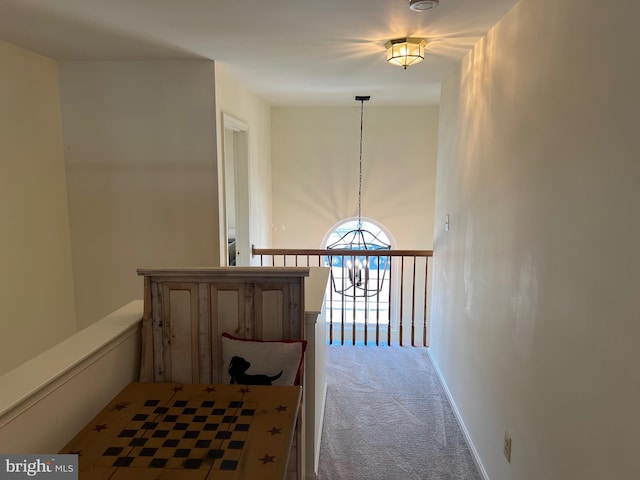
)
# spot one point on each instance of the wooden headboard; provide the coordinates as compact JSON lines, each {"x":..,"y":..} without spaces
{"x":187,"y":310}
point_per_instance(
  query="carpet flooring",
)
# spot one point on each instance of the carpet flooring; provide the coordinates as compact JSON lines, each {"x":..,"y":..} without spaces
{"x":388,"y":418}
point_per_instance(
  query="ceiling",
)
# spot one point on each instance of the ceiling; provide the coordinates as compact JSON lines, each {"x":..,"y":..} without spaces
{"x":290,"y":52}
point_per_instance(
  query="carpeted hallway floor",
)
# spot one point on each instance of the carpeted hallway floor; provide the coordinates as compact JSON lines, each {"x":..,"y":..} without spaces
{"x":388,"y":418}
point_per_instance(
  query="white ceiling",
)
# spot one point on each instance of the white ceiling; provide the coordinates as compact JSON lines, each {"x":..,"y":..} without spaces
{"x":290,"y":52}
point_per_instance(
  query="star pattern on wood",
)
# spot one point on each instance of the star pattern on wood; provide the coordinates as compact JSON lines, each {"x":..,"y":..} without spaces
{"x":120,"y":406}
{"x":268,"y":459}
{"x":178,"y":388}
{"x":244,"y":390}
{"x":275,"y":431}
{"x":281,"y":408}
{"x":99,"y":428}
{"x":210,"y":389}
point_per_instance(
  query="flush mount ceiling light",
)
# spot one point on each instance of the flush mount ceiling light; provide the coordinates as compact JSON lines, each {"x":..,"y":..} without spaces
{"x":422,"y":5}
{"x":405,"y":51}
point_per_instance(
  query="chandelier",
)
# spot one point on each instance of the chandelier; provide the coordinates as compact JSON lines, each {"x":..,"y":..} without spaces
{"x":359,"y":280}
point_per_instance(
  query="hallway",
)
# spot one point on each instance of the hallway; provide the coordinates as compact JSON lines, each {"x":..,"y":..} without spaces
{"x":388,"y":418}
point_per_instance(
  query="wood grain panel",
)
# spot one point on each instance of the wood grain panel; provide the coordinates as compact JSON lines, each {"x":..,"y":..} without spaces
{"x":271,"y":314}
{"x":182,"y":323}
{"x":157,"y":332}
{"x":204,"y":334}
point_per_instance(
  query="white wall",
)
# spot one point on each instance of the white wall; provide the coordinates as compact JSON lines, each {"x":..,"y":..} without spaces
{"x":63,"y":380}
{"x":233,"y":98}
{"x":36,"y":284}
{"x":140,"y":153}
{"x":315,"y":172}
{"x":535,"y":312}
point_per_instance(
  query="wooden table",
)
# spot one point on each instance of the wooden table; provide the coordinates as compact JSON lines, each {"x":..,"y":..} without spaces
{"x":191,"y":431}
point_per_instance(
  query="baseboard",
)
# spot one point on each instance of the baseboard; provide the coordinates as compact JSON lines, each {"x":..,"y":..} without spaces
{"x":456,"y":412}
{"x":317,"y":446}
{"x":313,"y":475}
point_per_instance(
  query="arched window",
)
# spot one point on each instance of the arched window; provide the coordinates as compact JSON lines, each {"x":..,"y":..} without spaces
{"x":379,"y":234}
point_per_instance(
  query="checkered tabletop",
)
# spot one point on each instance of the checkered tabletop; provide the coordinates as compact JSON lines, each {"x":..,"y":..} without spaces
{"x":206,"y":431}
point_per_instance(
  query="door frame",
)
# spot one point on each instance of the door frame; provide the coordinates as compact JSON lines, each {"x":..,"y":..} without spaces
{"x":240,"y":161}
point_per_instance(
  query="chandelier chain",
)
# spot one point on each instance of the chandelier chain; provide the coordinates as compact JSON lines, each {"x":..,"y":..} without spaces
{"x":360,"y":177}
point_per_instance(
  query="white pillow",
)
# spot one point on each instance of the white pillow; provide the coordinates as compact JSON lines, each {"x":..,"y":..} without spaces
{"x":267,"y":358}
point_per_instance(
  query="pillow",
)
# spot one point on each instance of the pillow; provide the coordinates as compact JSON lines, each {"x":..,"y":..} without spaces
{"x":267,"y":359}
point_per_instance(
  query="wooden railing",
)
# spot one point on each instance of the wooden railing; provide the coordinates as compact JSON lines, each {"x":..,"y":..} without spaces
{"x":392,"y":306}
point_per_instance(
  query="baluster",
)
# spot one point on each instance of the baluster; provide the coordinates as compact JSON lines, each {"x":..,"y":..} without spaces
{"x":343,"y":302}
{"x":401,"y":297}
{"x":353,"y":319}
{"x":413,"y":305}
{"x":330,"y":303}
{"x":389,"y":309}
{"x":424,"y":330}
{"x":378,"y":301}
{"x":366,"y":302}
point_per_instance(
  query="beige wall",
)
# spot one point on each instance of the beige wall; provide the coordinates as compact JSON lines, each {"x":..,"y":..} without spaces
{"x":36,"y":285}
{"x":233,"y":98}
{"x":315,"y":172}
{"x":535,"y":312}
{"x":140,"y":155}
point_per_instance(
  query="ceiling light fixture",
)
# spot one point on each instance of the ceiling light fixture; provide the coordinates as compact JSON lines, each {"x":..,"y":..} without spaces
{"x":422,"y":5}
{"x":405,"y":51}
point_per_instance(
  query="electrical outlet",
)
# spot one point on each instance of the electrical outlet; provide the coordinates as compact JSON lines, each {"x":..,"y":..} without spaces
{"x":507,"y":446}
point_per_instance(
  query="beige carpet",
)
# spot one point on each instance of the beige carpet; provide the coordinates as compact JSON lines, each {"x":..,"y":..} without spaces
{"x":387,"y":418}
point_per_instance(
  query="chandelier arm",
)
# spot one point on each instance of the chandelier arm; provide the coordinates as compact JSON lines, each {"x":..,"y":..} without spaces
{"x":340,"y":241}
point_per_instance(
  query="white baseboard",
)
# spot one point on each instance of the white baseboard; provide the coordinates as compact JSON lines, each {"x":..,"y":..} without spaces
{"x":313,"y":475}
{"x":324,"y":401}
{"x":465,"y":432}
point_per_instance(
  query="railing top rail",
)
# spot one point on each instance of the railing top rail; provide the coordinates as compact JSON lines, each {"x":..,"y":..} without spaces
{"x":340,"y":252}
{"x":226,"y":272}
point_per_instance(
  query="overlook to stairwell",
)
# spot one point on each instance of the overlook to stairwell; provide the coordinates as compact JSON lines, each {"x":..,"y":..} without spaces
{"x":397,"y":314}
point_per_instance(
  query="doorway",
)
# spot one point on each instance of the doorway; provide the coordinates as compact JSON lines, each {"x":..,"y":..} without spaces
{"x":235,"y":221}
